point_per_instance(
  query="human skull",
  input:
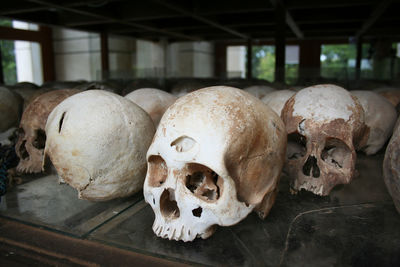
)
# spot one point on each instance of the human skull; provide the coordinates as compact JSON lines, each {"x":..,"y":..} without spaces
{"x":10,"y":109}
{"x":259,"y":91}
{"x":32,"y":137}
{"x":324,"y":124}
{"x":380,"y":117}
{"x":391,"y":166}
{"x":153,"y":101}
{"x":97,"y":141}
{"x":390,"y":93}
{"x":277,"y":99}
{"x":216,"y":156}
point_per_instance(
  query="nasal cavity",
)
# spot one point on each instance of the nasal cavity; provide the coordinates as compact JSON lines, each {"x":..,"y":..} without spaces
{"x":169,"y":208}
{"x":311,"y":167}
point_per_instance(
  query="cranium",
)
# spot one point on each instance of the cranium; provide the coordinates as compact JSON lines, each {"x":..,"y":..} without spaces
{"x":390,"y":93}
{"x":97,"y":141}
{"x":391,"y":167}
{"x":216,"y":156}
{"x":380,"y":117}
{"x":277,"y":99}
{"x":32,"y":136}
{"x":324,"y":124}
{"x":153,"y":101}
{"x":10,"y":109}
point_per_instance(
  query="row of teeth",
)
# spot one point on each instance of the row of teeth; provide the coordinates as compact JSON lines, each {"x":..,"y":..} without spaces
{"x":25,"y":169}
{"x":172,"y":233}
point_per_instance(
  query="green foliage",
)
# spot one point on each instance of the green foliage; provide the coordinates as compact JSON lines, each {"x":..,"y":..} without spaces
{"x":263,"y":65}
{"x":263,"y":62}
{"x":8,"y":62}
{"x":8,"y":57}
{"x":335,"y":59}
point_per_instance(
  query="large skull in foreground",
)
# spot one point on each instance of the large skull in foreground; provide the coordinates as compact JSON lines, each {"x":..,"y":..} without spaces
{"x":97,"y":141}
{"x":324,"y":125}
{"x":217,"y":155}
{"x":32,"y":136}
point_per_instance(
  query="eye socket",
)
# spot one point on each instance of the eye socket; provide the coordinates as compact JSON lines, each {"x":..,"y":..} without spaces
{"x":20,"y":132}
{"x":336,"y":153}
{"x":157,"y":172}
{"x":203,"y":182}
{"x":296,"y":146}
{"x":40,"y":139}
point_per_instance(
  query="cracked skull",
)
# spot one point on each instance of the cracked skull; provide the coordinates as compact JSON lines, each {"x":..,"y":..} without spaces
{"x":324,"y":124}
{"x":32,"y":136}
{"x":97,"y":141}
{"x":216,"y":156}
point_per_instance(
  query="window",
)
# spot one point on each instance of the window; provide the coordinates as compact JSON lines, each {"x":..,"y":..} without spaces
{"x":20,"y":60}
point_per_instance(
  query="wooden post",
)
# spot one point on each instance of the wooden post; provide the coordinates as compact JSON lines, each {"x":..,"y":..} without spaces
{"x":1,"y":68}
{"x":359,"y":57}
{"x":105,"y":67}
{"x":310,"y":62}
{"x":220,"y":70}
{"x":249,"y":55}
{"x":46,"y":44}
{"x":280,"y":19}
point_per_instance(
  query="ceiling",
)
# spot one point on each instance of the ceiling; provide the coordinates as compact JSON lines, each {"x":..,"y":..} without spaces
{"x":234,"y":20}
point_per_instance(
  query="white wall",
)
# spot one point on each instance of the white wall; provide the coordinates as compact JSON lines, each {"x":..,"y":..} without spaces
{"x":236,"y":61}
{"x":190,"y":59}
{"x":150,"y":59}
{"x":77,"y":55}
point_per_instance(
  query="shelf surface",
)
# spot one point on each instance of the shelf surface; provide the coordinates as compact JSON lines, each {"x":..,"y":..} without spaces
{"x":355,"y":225}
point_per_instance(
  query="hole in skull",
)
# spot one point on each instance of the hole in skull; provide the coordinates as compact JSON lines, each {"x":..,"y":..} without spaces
{"x":311,"y":167}
{"x":203,"y":182}
{"x":168,"y":207}
{"x":22,"y":151}
{"x":296,"y":146}
{"x":197,"y":212}
{"x":183,"y":144}
{"x":157,"y":172}
{"x":40,"y":139}
{"x":336,"y":153}
{"x":61,"y":122}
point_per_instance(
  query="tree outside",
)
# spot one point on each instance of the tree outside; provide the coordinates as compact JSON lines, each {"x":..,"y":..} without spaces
{"x":8,"y":57}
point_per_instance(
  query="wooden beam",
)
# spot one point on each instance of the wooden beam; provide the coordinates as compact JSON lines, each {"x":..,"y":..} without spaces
{"x":201,"y":18}
{"x":8,"y":33}
{"x":289,"y":20}
{"x":376,"y":14}
{"x":116,"y":20}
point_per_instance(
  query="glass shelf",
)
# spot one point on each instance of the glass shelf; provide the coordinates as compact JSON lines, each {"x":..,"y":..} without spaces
{"x":45,"y":202}
{"x":356,"y":224}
